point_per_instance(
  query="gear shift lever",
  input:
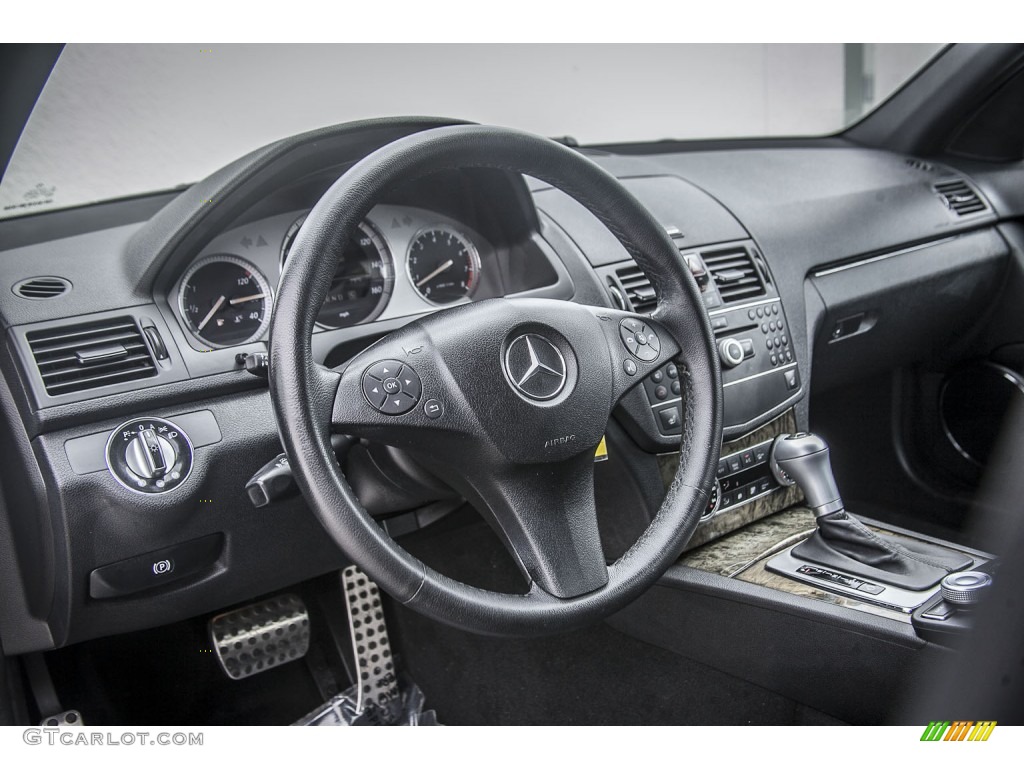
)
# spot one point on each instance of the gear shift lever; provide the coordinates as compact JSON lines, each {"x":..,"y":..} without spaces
{"x":803,"y":458}
{"x":843,"y":542}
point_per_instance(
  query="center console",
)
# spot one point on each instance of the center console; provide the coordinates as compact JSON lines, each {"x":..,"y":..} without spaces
{"x":851,"y":603}
{"x":821,"y":551}
{"x":760,"y":373}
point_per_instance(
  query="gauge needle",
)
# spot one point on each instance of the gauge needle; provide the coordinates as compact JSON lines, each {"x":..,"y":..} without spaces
{"x":209,"y":315}
{"x":243,"y":299}
{"x":447,"y":265}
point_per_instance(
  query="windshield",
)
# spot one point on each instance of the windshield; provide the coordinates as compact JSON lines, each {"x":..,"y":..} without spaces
{"x":121,"y":120}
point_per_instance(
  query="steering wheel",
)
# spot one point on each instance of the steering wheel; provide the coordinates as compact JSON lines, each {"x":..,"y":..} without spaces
{"x":507,"y":398}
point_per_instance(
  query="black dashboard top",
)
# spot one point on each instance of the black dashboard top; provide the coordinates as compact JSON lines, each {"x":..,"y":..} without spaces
{"x":802,"y":207}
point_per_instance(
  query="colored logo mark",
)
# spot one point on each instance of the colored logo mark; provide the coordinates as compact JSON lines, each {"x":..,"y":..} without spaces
{"x":958,"y":730}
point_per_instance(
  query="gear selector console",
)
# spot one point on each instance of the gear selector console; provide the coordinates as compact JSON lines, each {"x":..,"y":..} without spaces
{"x":844,"y":555}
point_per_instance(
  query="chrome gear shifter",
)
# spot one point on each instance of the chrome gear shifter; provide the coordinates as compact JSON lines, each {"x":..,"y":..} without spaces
{"x":802,"y":458}
{"x":842,"y":542}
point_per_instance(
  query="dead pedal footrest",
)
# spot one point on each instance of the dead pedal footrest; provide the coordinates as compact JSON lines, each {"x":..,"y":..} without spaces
{"x":260,"y":636}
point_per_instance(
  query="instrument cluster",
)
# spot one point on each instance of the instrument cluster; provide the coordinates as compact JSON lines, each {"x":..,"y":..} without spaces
{"x":400,"y":261}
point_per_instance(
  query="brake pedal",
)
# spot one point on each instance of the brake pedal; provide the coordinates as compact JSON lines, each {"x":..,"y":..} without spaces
{"x":377,"y":685}
{"x":260,"y":636}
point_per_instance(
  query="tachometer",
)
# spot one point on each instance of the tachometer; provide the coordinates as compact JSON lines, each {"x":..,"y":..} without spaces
{"x":362,"y":283}
{"x":225,"y":301}
{"x":443,"y":265}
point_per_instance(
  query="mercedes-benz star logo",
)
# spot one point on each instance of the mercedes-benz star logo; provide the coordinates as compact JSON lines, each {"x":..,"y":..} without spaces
{"x":535,"y":367}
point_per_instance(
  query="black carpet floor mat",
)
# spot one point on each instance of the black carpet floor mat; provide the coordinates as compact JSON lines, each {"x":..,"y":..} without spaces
{"x":169,"y":676}
{"x":596,"y":675}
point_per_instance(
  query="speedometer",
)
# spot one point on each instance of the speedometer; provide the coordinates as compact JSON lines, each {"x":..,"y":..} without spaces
{"x":224,"y":301}
{"x":362,"y":282}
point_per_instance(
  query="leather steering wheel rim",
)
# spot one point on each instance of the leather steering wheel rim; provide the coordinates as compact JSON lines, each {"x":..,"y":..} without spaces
{"x":310,"y":401}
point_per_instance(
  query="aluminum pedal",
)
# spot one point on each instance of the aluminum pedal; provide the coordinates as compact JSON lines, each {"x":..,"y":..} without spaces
{"x":72,"y":717}
{"x":260,"y":636}
{"x":377,"y":684}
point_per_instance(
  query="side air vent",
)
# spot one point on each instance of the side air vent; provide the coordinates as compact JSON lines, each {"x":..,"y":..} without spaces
{"x":73,"y":358}
{"x":41,"y":287}
{"x":959,"y":197}
{"x":638,"y":288}
{"x":734,"y":273}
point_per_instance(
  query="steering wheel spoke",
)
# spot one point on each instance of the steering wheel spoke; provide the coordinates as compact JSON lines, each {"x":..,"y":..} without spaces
{"x":547,"y":517}
{"x":397,"y":392}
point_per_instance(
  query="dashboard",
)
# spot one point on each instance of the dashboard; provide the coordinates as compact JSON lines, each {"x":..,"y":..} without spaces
{"x":164,"y":300}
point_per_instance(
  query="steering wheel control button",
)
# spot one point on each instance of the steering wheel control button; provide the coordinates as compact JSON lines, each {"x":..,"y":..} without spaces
{"x":396,"y":405}
{"x":535,"y":367}
{"x":629,"y":367}
{"x":433,"y":409}
{"x":410,"y":382}
{"x":149,"y":455}
{"x":639,"y":339}
{"x":653,"y":344}
{"x":392,"y":387}
{"x":384,"y":369}
{"x":373,"y":391}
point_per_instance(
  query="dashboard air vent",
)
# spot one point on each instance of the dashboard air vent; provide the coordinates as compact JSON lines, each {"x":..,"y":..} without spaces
{"x":637,"y":287}
{"x":959,"y":197}
{"x":919,"y":165}
{"x":72,"y":358}
{"x":734,"y":273}
{"x":41,"y":287}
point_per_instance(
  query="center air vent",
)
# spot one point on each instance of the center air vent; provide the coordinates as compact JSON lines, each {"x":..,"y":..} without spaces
{"x":72,"y":358}
{"x":638,"y":288}
{"x":959,"y":197}
{"x":734,"y":273}
{"x":41,"y":288}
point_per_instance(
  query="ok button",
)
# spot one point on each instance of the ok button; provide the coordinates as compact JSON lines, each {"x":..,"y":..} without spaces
{"x":391,"y":386}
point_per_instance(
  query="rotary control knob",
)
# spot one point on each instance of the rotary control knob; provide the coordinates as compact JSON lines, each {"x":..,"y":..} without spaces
{"x":149,"y":455}
{"x":731,"y":352}
{"x":965,"y":588}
